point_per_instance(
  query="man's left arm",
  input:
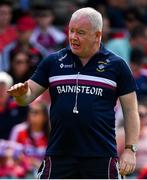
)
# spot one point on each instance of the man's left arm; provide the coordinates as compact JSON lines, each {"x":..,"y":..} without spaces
{"x":132,"y":129}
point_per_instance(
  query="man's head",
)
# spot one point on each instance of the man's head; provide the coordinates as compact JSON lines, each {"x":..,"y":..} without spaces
{"x":137,"y":58}
{"x":44,"y":16}
{"x":142,"y":110}
{"x":85,"y":29}
{"x":6,"y":82}
{"x":20,"y":63}
{"x":5,"y":13}
{"x":138,"y":36}
{"x":25,"y":27}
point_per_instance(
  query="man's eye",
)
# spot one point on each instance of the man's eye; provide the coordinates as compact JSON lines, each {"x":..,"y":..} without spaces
{"x":81,"y":32}
{"x":71,"y":30}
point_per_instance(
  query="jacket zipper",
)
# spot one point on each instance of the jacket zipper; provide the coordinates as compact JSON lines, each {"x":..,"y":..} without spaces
{"x":75,"y":109}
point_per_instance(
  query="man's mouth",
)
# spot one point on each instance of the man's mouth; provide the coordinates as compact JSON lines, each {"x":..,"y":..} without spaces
{"x":75,"y":45}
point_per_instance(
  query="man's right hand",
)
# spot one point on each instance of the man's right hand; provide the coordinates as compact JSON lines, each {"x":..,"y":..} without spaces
{"x":19,"y":89}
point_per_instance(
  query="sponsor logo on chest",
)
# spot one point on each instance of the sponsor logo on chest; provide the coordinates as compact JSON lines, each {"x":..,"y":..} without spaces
{"x":66,"y":66}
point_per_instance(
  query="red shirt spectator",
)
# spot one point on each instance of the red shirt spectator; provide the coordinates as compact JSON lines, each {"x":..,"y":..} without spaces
{"x":22,"y":134}
{"x":34,"y":133}
{"x":7,"y":32}
{"x":8,"y":36}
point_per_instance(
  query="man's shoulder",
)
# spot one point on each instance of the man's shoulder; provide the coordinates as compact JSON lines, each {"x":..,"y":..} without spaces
{"x":58,"y":55}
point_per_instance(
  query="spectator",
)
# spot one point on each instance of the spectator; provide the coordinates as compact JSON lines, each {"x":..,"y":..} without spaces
{"x":11,"y":163}
{"x":25,"y":26}
{"x":136,"y":64}
{"x":141,"y":166}
{"x":141,"y":5}
{"x":21,"y":155}
{"x":10,"y":113}
{"x":115,"y":11}
{"x":132,"y":18}
{"x":123,"y":46}
{"x":20,"y":66}
{"x":63,"y":10}
{"x":45,"y":34}
{"x":8,"y":32}
{"x":106,"y":29}
{"x":34,"y":133}
{"x":142,"y":145}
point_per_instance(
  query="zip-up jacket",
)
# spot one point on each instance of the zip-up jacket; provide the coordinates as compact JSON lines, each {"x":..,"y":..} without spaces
{"x":83,"y":99}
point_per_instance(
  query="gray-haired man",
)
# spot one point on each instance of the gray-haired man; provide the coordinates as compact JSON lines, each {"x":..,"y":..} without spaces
{"x":85,"y":81}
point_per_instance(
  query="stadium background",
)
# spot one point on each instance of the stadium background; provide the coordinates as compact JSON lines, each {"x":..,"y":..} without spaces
{"x":31,"y":30}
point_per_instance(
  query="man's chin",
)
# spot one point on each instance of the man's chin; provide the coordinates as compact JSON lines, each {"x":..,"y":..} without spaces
{"x":76,"y":52}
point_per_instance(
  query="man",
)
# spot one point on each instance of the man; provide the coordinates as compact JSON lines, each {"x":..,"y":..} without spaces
{"x":24,"y":26}
{"x":137,"y":59}
{"x":85,"y":81}
{"x":46,"y":36}
{"x":10,"y":113}
{"x":123,"y":46}
{"x":8,"y":32}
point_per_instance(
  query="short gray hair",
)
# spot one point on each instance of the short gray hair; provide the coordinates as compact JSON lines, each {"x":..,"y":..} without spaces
{"x":6,"y":78}
{"x":94,"y":17}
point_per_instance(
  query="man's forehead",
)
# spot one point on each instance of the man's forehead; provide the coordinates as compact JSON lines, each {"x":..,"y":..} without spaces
{"x":80,"y":22}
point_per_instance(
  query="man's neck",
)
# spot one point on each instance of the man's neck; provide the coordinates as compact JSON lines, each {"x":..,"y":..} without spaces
{"x":25,"y":45}
{"x":85,"y":60}
{"x":44,"y":29}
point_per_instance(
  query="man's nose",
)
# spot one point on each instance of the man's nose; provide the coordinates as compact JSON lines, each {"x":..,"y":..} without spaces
{"x":74,"y":36}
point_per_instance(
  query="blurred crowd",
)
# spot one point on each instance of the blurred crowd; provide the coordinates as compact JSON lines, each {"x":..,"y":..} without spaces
{"x":30,"y":31}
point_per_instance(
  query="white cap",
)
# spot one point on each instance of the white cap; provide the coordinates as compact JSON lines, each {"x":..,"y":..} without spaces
{"x":6,"y":78}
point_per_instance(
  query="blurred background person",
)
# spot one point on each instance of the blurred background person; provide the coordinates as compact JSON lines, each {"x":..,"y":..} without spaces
{"x":10,"y":113}
{"x":123,"y":46}
{"x":115,"y":10}
{"x":46,"y":35}
{"x":34,"y":133}
{"x":137,"y":59}
{"x":142,"y":145}
{"x":11,"y":163}
{"x":20,"y":66}
{"x":132,"y":19}
{"x":8,"y":32}
{"x":25,"y":26}
{"x":141,"y":6}
{"x":106,"y":29}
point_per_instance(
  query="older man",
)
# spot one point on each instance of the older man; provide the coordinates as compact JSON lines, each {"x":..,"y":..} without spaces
{"x":10,"y":113}
{"x":85,"y":80}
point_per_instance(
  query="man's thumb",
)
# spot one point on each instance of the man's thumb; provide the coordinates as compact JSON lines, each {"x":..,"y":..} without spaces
{"x":26,"y":84}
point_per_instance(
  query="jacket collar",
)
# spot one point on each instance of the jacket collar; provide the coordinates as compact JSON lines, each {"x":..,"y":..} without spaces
{"x":102,"y":51}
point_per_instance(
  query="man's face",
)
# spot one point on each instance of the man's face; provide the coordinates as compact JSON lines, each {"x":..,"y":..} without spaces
{"x":82,"y":38}
{"x":5,"y":15}
{"x":143,"y":115}
{"x":24,"y":36}
{"x":44,"y":21}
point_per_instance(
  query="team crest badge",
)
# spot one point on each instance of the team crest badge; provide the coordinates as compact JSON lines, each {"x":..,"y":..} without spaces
{"x":101,"y":65}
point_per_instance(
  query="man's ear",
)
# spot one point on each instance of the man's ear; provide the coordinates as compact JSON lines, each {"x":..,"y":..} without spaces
{"x":98,"y":36}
